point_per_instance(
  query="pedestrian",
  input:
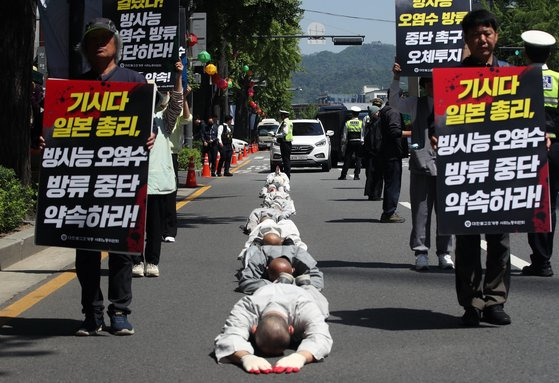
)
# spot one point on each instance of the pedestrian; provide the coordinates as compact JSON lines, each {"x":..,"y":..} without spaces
{"x":176,"y":141}
{"x":482,"y":301}
{"x":537,"y":49}
{"x":101,"y":45}
{"x":352,"y":140}
{"x":423,"y":173}
{"x":225,"y":140}
{"x":161,"y":177}
{"x":210,"y":142}
{"x":284,"y":137}
{"x":272,"y":318}
{"x":371,"y":152}
{"x":391,"y":154}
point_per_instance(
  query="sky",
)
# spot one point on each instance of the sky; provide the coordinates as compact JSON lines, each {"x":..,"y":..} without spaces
{"x":373,"y":30}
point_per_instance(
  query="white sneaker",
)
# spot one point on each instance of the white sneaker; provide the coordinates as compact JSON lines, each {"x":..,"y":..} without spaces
{"x":445,"y":262}
{"x":422,"y":262}
{"x":138,"y":270}
{"x":169,"y":239}
{"x":152,"y":270}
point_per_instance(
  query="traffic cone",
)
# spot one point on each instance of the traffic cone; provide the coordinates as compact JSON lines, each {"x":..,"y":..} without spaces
{"x":206,"y":168}
{"x":245,"y":153}
{"x":191,"y":175}
{"x":240,"y":155}
{"x":217,"y":161}
{"x":234,"y":158}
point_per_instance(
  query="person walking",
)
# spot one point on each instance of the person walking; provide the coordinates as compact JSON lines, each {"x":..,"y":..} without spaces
{"x":352,"y":139}
{"x":284,"y":136}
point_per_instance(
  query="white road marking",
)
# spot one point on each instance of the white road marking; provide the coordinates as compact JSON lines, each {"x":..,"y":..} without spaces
{"x":514,"y":260}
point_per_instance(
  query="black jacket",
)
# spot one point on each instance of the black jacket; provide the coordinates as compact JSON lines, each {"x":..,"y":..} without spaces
{"x":391,"y":129}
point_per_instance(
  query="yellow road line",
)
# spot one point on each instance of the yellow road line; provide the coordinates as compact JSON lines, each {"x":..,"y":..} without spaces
{"x":245,"y":163}
{"x":26,"y":302}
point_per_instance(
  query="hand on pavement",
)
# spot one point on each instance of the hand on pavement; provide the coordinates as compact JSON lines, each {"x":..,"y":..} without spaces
{"x":290,"y":363}
{"x":255,"y":365}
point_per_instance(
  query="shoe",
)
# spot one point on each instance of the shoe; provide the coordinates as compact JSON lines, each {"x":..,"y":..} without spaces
{"x":152,"y":270}
{"x":394,"y":218}
{"x":356,"y":178}
{"x":218,"y":174}
{"x":445,"y":262}
{"x":213,"y":174}
{"x":341,"y":178}
{"x":92,"y":325}
{"x":228,"y":174}
{"x":537,"y":271}
{"x":371,"y":198}
{"x":120,"y":324}
{"x":138,"y":270}
{"x":471,"y":317}
{"x":169,"y":239}
{"x":496,"y":315}
{"x":421,"y":262}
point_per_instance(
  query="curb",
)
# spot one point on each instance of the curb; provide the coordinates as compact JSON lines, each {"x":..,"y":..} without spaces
{"x":18,"y":246}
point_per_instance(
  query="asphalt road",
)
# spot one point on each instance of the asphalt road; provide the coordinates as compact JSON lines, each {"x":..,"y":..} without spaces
{"x":389,"y":323}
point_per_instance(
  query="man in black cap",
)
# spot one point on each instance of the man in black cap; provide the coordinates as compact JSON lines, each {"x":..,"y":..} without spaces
{"x":101,"y":46}
{"x":537,"y":49}
{"x":284,"y":137}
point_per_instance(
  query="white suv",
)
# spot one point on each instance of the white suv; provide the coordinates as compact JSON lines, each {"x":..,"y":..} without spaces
{"x":310,"y":146}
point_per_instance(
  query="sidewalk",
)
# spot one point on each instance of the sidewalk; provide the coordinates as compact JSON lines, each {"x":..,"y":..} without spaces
{"x":23,"y":265}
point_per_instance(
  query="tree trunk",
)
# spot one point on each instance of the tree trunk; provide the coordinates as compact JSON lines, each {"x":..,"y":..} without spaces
{"x":16,"y":45}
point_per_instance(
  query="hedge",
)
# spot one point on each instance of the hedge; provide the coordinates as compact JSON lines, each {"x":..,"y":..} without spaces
{"x":16,"y":200}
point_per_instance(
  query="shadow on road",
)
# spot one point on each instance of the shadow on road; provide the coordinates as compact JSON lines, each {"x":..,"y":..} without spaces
{"x":371,"y":265}
{"x":351,"y":199}
{"x":354,"y":220}
{"x":36,"y":328}
{"x":185,"y":220}
{"x":396,"y":319}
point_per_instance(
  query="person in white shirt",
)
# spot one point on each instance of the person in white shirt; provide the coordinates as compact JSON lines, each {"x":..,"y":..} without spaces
{"x":225,"y":146}
{"x":276,"y":315}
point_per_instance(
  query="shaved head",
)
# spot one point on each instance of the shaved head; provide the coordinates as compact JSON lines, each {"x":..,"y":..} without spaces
{"x":272,"y":239}
{"x":272,"y":334}
{"x":277,"y":266}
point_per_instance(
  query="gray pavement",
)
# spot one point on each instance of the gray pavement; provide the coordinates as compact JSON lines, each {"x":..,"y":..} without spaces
{"x":389,"y":323}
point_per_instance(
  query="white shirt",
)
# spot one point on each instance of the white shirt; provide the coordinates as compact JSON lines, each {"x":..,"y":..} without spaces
{"x":220,"y":132}
{"x":285,"y":228}
{"x":302,"y":313}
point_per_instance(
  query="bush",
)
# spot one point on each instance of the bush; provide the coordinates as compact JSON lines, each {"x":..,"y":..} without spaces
{"x":16,"y":200}
{"x":184,"y":158}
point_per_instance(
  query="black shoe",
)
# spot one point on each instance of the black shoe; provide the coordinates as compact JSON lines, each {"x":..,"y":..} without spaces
{"x":496,"y":315}
{"x":92,"y":325}
{"x":394,"y":218}
{"x":219,"y":174}
{"x":356,"y":178}
{"x":537,"y":271}
{"x":341,"y":177}
{"x":228,"y":174}
{"x":471,"y":317}
{"x":213,"y":174}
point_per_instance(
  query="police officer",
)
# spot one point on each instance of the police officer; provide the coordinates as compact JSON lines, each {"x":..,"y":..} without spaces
{"x":284,"y":137}
{"x":537,"y":49}
{"x":352,"y":138}
{"x":225,"y":138}
{"x":210,"y":141}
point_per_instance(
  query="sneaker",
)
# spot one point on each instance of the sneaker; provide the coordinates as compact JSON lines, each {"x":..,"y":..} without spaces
{"x":471,"y":317}
{"x":138,"y":270}
{"x":169,"y":239}
{"x":445,"y":262}
{"x":152,"y":270}
{"x":92,"y":325}
{"x":537,"y":271}
{"x":394,"y":218}
{"x":228,"y":174}
{"x":120,"y":324}
{"x":341,"y":178}
{"x":422,"y":262}
{"x":213,"y":174}
{"x":496,"y":315}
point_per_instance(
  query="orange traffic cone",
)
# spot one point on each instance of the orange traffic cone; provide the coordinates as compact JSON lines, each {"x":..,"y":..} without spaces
{"x":206,"y":168}
{"x":234,"y":158}
{"x":217,"y":161}
{"x":191,"y":175}
{"x":240,"y":155}
{"x":245,"y":153}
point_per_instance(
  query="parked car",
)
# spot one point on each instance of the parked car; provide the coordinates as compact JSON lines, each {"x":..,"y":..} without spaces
{"x":310,"y":146}
{"x":239,"y":144}
{"x":265,"y":127}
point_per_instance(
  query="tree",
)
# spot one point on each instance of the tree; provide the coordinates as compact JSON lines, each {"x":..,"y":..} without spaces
{"x":16,"y":45}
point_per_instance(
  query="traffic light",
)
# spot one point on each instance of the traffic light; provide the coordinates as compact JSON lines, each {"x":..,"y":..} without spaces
{"x":347,"y":40}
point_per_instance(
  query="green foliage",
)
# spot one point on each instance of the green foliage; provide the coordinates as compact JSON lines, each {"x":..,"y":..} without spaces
{"x":184,"y":158}
{"x":16,"y":200}
{"x":344,"y":72}
{"x":309,"y":111}
{"x":517,"y":16}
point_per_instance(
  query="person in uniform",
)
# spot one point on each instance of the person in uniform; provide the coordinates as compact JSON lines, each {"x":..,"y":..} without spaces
{"x":537,"y":49}
{"x":352,"y":139}
{"x":225,"y":142}
{"x":210,"y":142}
{"x":284,"y":136}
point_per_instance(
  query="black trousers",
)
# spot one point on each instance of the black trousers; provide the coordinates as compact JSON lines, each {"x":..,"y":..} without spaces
{"x":542,"y":243}
{"x":352,"y":148}
{"x":155,"y":219}
{"x":374,"y":173}
{"x":225,"y":154}
{"x":170,"y":227}
{"x":212,"y":156}
{"x":392,"y":184}
{"x":285,"y":149}
{"x":88,"y":270}
{"x":495,"y":287}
